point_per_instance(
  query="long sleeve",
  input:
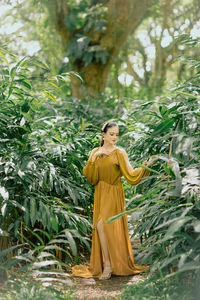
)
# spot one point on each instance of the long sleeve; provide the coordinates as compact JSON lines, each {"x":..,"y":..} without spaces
{"x":133,"y":176}
{"x":91,"y":170}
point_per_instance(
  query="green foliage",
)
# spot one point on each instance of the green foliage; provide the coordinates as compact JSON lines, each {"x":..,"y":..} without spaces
{"x":81,"y":49}
{"x":84,"y":19}
{"x":45,"y":140}
{"x":27,"y":290}
{"x":42,"y":193}
{"x":87,"y":16}
{"x":160,"y":289}
{"x":86,"y":23}
{"x":165,"y":211}
{"x":151,"y":59}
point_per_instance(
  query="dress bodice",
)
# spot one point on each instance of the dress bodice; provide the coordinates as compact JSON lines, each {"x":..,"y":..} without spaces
{"x":110,"y":168}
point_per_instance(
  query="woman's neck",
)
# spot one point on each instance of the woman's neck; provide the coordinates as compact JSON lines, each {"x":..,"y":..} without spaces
{"x":108,"y":146}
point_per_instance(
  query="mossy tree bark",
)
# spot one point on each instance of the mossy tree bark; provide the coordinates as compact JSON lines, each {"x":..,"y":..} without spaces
{"x":122,"y":18}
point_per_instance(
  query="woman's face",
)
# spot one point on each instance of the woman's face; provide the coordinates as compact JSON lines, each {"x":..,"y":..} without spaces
{"x":111,"y":136}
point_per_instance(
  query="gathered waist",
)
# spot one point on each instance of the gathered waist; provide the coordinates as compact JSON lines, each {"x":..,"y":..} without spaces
{"x":119,"y":183}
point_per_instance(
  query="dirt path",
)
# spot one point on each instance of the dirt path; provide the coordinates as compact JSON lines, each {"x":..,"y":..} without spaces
{"x":92,"y":288}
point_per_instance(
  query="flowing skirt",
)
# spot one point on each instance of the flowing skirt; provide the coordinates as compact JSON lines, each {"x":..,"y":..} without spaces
{"x":109,"y":201}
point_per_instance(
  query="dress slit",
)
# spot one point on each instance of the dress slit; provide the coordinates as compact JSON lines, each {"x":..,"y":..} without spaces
{"x":106,"y":238}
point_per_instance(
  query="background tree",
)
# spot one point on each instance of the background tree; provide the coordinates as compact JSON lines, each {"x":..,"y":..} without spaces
{"x":91,"y":32}
{"x":149,"y":56}
{"x":105,"y":43}
{"x":94,"y":32}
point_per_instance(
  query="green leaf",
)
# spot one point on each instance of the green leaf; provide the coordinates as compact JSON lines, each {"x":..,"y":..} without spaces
{"x":61,"y":273}
{"x":3,"y":209}
{"x":22,"y":122}
{"x":41,"y":264}
{"x":54,"y":224}
{"x":50,"y":95}
{"x":48,"y":279}
{"x":122,"y":214}
{"x":3,"y":253}
{"x":55,"y":247}
{"x":71,"y":194}
{"x":44,"y":254}
{"x":191,"y":266}
{"x":71,"y":242}
{"x":25,"y":83}
{"x":4,"y":193}
{"x":196,"y":226}
{"x":189,"y":95}
{"x":4,"y":58}
{"x":43,"y":232}
{"x":33,"y":211}
{"x":13,"y":72}
{"x":163,"y":127}
{"x":35,"y":234}
{"x":95,"y":48}
{"x":175,"y":226}
{"x":53,"y":84}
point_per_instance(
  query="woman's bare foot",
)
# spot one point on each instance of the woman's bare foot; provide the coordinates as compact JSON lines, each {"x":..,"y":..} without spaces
{"x":106,"y":273}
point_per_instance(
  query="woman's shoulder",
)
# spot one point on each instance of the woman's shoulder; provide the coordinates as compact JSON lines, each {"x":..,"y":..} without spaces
{"x":122,"y":150}
{"x":93,"y":150}
{"x":96,"y":148}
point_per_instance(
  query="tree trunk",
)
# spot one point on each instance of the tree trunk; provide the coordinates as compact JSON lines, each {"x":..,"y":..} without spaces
{"x":123,"y":17}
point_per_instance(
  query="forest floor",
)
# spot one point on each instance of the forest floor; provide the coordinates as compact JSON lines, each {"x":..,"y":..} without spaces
{"x":93,"y":288}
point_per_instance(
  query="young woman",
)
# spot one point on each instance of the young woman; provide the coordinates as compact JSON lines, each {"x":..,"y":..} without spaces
{"x":111,"y":247}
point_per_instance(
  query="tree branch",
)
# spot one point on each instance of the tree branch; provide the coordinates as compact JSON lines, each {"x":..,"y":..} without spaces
{"x":132,"y":72}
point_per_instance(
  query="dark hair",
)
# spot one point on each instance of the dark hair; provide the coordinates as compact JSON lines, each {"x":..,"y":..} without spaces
{"x":105,"y":128}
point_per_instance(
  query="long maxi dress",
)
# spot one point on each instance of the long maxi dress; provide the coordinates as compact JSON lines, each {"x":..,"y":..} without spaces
{"x":105,"y":173}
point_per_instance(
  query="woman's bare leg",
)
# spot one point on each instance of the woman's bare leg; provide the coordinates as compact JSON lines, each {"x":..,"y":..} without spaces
{"x":107,"y":266}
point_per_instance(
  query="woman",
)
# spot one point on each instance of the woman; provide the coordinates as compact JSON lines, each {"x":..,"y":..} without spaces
{"x":111,"y":247}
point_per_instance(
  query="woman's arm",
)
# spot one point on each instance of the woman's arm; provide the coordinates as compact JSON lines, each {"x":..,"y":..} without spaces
{"x":133,"y":176}
{"x":90,"y":170}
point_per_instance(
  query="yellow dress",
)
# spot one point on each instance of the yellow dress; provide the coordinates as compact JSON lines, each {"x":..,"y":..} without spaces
{"x":105,"y":173}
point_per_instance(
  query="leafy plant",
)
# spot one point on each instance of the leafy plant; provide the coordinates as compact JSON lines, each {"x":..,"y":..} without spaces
{"x":40,"y":176}
{"x":165,"y":211}
{"x":160,"y":289}
{"x":24,"y":290}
